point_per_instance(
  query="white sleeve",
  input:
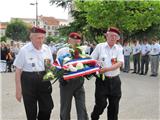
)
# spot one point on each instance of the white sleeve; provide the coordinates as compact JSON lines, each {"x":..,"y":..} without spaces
{"x":50,"y":54}
{"x":62,"y":52}
{"x":130,"y":50}
{"x":20,"y":59}
{"x":120,"y":57}
{"x":140,"y":48}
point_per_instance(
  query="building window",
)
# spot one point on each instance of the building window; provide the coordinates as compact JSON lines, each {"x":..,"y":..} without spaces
{"x":52,"y":27}
{"x":48,"y":27}
{"x":49,"y":33}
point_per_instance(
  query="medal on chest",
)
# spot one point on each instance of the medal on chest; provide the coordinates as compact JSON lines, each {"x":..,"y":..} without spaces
{"x":114,"y":61}
{"x":47,"y":62}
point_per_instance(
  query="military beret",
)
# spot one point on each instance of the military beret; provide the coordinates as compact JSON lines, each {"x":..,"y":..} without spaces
{"x":37,"y":30}
{"x":114,"y":29}
{"x":74,"y":35}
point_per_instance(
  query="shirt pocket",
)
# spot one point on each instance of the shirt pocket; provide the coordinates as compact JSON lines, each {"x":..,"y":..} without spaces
{"x":104,"y":61}
{"x":30,"y":58}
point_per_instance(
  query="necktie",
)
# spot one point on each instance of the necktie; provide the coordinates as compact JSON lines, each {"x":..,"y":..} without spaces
{"x":76,"y":54}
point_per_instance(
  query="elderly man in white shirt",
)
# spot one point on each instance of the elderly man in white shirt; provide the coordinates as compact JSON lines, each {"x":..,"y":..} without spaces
{"x":108,"y":90}
{"x":30,"y":70}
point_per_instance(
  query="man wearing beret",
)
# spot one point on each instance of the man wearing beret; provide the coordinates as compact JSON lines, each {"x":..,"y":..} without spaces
{"x":108,"y":86}
{"x":29,"y":77}
{"x":72,"y":88}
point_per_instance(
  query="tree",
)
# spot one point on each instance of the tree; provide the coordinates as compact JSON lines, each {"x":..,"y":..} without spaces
{"x":61,"y":3}
{"x":49,"y":39}
{"x":3,"y":39}
{"x":17,"y":30}
{"x":130,"y":16}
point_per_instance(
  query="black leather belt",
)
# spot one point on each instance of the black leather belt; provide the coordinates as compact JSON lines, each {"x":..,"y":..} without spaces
{"x":155,"y":55}
{"x":35,"y":72}
{"x":111,"y":77}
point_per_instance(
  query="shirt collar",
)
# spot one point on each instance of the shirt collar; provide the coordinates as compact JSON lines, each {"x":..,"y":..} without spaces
{"x":114,"y":46}
{"x":31,"y":47}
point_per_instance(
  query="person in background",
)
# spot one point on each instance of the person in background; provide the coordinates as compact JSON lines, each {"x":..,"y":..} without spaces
{"x":10,"y":56}
{"x":127,"y":52}
{"x":108,"y":89}
{"x":53,"y":50}
{"x":30,"y":69}
{"x":155,"y":50}
{"x":136,"y":56}
{"x":88,"y":49}
{"x":15,"y":48}
{"x":3,"y":51}
{"x":145,"y":49}
{"x":93,"y":45}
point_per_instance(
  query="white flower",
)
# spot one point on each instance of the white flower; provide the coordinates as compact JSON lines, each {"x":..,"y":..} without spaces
{"x":66,"y":59}
{"x":79,"y":66}
{"x":72,"y":69}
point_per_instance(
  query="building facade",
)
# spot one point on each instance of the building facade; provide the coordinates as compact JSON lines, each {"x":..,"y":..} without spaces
{"x":50,"y":24}
{"x":3,"y":26}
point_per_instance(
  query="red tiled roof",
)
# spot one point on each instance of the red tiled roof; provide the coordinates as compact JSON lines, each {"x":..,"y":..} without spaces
{"x":62,"y":20}
{"x":3,"y":25}
{"x":49,"y":20}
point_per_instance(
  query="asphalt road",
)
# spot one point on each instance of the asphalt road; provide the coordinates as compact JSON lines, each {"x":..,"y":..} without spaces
{"x":140,"y":99}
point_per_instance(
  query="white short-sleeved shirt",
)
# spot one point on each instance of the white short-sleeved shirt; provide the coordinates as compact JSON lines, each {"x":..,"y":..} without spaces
{"x":32,"y":60}
{"x":53,"y":49}
{"x":63,"y":51}
{"x":103,"y":53}
{"x":145,"y":48}
{"x":136,"y":49}
{"x":127,"y":50}
{"x":155,"y":49}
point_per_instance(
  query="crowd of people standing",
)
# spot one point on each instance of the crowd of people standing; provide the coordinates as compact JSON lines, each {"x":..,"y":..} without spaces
{"x":142,"y":54}
{"x":8,"y":54}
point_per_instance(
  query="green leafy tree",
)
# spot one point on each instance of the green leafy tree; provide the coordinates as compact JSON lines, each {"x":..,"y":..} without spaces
{"x":61,"y":3}
{"x":50,"y":39}
{"x":55,"y":39}
{"x":17,"y":30}
{"x":130,"y":16}
{"x":3,"y":39}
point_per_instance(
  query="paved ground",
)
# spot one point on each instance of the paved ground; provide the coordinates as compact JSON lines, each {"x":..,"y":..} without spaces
{"x":140,"y":100}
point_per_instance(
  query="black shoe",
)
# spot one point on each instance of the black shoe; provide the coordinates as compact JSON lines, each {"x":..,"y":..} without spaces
{"x":141,"y":74}
{"x":145,"y":73}
{"x":152,"y":75}
{"x":137,"y":72}
{"x":133,"y":72}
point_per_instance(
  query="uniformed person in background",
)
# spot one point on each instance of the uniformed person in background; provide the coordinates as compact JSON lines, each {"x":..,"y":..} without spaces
{"x":108,"y":90}
{"x":127,"y":52}
{"x":72,"y":88}
{"x":30,"y":69}
{"x":145,"y":49}
{"x":155,"y":50}
{"x":136,"y":56}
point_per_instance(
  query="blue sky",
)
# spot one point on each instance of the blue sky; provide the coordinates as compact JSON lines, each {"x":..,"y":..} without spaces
{"x":23,"y":9}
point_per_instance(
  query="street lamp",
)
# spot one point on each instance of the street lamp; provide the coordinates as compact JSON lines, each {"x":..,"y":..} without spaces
{"x":36,"y":11}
